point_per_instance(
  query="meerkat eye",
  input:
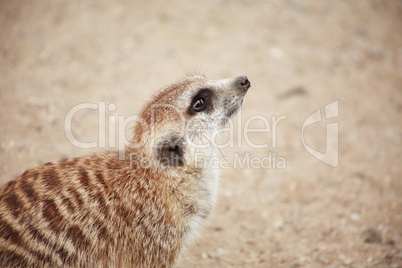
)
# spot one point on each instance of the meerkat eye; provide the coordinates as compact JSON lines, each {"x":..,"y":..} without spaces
{"x":201,"y":102}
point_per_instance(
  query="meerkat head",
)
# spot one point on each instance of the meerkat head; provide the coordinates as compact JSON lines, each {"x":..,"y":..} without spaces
{"x":181,"y":119}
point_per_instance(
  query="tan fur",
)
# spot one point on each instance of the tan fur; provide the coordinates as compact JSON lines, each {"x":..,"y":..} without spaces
{"x":107,"y":210}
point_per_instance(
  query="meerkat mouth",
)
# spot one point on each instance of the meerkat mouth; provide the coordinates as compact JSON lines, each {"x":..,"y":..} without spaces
{"x":231,"y":111}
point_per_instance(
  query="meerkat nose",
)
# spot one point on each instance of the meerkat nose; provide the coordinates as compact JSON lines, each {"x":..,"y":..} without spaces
{"x":243,"y":83}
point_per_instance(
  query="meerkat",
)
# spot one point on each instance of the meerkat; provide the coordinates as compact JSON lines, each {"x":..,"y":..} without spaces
{"x":135,"y":208}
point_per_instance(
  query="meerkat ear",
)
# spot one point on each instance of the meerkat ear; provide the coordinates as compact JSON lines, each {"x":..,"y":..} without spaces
{"x":170,"y":150}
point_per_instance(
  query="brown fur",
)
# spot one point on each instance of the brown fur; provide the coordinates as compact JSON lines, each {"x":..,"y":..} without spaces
{"x":102,"y":210}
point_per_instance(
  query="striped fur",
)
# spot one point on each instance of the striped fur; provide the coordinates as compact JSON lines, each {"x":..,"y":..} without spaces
{"x":105,"y":211}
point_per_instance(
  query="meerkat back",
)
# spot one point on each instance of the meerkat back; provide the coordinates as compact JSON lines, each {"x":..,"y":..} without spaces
{"x":139,"y":207}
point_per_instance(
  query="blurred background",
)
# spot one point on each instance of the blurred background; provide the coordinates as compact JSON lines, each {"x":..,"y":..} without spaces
{"x":300,"y":55}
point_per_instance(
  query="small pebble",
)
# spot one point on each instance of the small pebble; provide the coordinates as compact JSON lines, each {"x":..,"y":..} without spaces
{"x":372,"y":235}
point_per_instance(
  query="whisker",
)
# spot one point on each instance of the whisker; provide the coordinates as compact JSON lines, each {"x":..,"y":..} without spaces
{"x":182,"y":66}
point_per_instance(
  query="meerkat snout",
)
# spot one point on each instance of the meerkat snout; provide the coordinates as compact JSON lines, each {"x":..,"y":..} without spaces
{"x":243,"y":83}
{"x":140,"y":210}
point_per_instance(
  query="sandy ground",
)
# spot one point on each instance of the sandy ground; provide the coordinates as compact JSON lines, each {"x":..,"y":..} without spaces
{"x":300,"y":56}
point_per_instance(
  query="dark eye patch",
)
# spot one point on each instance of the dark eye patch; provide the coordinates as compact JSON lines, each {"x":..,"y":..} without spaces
{"x":201,"y":102}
